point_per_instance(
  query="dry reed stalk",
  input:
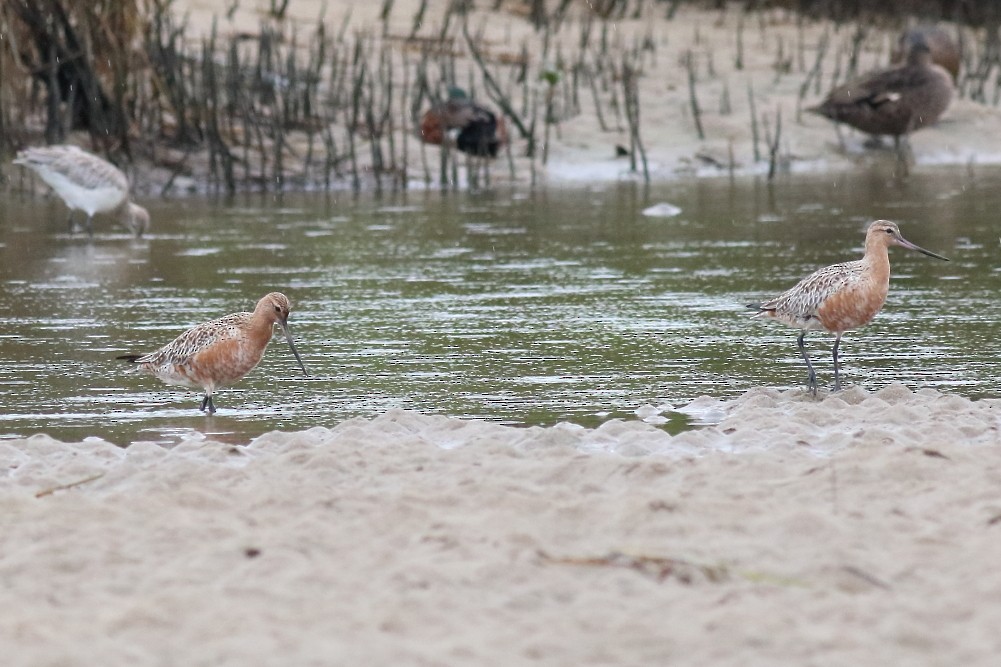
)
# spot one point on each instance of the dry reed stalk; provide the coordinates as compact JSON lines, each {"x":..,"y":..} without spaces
{"x":754,"y":121}
{"x":632,"y":104}
{"x":692,"y":98}
{"x":738,"y":62}
{"x":858,"y":38}
{"x":493,"y":89}
{"x":220,"y":155}
{"x":773,"y":144}
{"x":593,"y":84}
{"x":813,"y":74}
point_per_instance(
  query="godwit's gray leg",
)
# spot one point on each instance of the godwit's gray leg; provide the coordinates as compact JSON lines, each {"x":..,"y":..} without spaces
{"x":90,"y":226}
{"x":812,"y":377}
{"x":837,"y":378}
{"x":207,"y":403}
{"x":69,"y":221}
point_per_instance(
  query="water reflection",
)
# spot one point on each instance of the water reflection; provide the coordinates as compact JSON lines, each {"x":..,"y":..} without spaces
{"x":525,"y":308}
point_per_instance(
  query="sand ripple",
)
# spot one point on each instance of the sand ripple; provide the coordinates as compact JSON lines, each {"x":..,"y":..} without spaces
{"x":858,"y":529}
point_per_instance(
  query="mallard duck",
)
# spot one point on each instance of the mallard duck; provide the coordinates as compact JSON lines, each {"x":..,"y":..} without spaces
{"x":895,"y":101}
{"x":477,"y":130}
{"x":944,"y":51}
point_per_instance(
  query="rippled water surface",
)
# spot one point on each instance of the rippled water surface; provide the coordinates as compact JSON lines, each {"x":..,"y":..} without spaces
{"x":521,"y":307}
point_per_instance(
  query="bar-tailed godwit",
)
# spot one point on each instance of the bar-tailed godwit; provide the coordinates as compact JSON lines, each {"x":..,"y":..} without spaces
{"x":219,"y":352}
{"x":840,"y":297}
{"x":87,"y":183}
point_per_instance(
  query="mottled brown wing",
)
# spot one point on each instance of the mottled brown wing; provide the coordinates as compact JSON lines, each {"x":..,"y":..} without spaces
{"x":79,"y":166}
{"x":195,"y":339}
{"x":798,"y":305}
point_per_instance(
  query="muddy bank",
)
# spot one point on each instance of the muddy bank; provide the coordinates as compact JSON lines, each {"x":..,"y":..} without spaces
{"x":330,"y":96}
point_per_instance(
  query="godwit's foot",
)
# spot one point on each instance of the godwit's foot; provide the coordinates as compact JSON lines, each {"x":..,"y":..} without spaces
{"x":207,"y":405}
{"x":811,"y":380}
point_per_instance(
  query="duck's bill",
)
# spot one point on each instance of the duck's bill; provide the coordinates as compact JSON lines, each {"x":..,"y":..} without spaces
{"x":291,"y":345}
{"x":910,"y":246}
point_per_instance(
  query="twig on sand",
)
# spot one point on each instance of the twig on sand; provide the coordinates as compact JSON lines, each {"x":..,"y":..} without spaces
{"x":866,"y":577}
{"x":657,"y":568}
{"x":69,"y":485}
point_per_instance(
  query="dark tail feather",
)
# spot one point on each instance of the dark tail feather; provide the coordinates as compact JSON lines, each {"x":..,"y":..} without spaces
{"x":129,"y":357}
{"x":479,"y":137}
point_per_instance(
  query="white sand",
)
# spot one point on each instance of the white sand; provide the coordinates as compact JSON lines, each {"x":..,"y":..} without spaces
{"x":857,"y":530}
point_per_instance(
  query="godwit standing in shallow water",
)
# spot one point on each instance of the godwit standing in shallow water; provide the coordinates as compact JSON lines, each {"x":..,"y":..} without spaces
{"x":220,"y":352}
{"x":85,"y":182}
{"x":840,"y":297}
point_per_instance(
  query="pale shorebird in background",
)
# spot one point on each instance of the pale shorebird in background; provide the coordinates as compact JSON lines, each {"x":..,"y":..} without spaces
{"x":87,"y":183}
{"x":220,"y":352}
{"x":840,"y":297}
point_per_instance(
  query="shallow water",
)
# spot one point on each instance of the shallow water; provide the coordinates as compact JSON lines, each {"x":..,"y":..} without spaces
{"x":526,"y":308}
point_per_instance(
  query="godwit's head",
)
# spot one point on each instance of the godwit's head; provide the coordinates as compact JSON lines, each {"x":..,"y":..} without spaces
{"x":136,"y":218}
{"x":884,"y":233}
{"x":276,"y":308}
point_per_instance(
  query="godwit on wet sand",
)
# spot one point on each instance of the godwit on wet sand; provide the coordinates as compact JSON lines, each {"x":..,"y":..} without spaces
{"x":86,"y":183}
{"x":840,"y":297}
{"x":220,"y":352}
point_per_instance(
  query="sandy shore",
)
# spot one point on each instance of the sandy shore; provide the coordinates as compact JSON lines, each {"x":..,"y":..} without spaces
{"x":855,"y":530}
{"x":860,"y":529}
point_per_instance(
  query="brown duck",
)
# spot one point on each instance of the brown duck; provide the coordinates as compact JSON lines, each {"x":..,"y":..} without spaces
{"x":895,"y":101}
{"x":943,"y":48}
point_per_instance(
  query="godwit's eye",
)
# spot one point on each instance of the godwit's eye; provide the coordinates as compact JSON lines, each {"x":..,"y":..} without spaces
{"x":278,"y":309}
